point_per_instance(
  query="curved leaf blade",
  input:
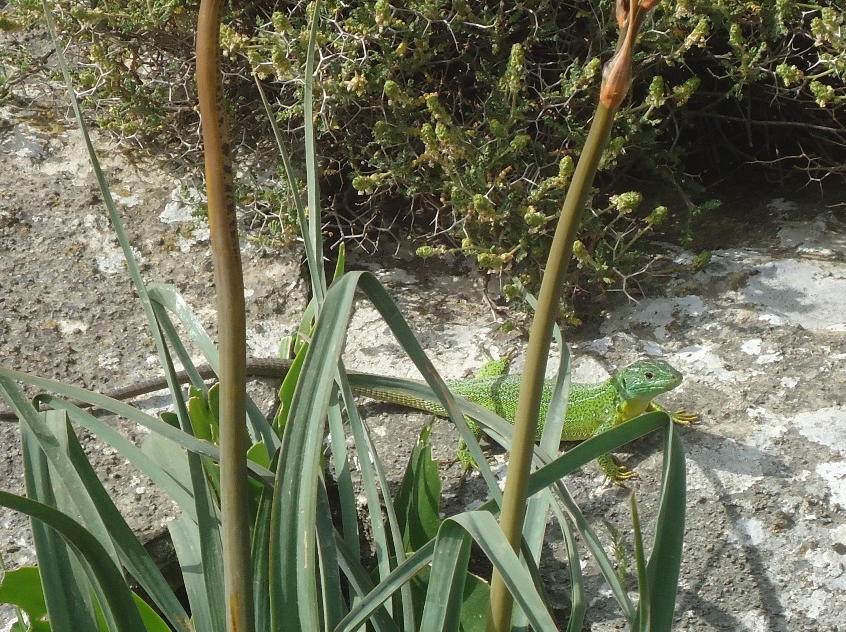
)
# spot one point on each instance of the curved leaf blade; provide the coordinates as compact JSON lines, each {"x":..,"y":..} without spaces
{"x":109,"y":584}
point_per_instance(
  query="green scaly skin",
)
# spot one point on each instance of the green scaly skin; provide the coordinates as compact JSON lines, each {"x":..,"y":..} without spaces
{"x":591,"y":408}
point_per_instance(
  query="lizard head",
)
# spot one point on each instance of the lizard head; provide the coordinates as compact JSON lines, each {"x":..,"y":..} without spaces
{"x":645,"y":379}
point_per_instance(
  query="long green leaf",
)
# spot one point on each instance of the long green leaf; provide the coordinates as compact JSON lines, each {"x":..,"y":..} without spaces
{"x":64,"y":477}
{"x":133,"y":555}
{"x":86,"y":497}
{"x":312,"y":256}
{"x":287,"y":388}
{"x":343,"y":479}
{"x":644,"y":610}
{"x":123,"y":409}
{"x":65,"y":584}
{"x":371,"y":470}
{"x":152,"y":621}
{"x":166,"y":297}
{"x":115,"y":218}
{"x":107,"y":580}
{"x":483,"y":528}
{"x":205,"y":508}
{"x":185,"y":537}
{"x":103,"y":431}
{"x":208,"y":537}
{"x":293,"y":594}
{"x":666,"y":557}
{"x":315,"y":226}
{"x":299,"y":462}
{"x":578,"y":600}
{"x":442,"y":607}
{"x":372,"y":600}
{"x":360,"y":584}
{"x":334,"y":604}
{"x":260,"y":552}
{"x":405,"y":337}
{"x":594,"y":545}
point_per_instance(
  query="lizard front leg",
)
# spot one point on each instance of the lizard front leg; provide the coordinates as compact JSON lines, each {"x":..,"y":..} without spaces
{"x":494,"y":368}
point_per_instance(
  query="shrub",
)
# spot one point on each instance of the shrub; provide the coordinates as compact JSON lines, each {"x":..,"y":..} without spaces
{"x":463,"y":119}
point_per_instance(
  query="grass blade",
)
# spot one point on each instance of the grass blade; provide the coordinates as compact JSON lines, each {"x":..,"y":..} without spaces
{"x":442,"y":607}
{"x":380,"y":593}
{"x":132,"y":554}
{"x":334,"y":604}
{"x":644,"y":610}
{"x":483,"y":528}
{"x":411,"y":347}
{"x":343,"y":479}
{"x":371,"y":468}
{"x":63,"y":582}
{"x":292,"y":545}
{"x":176,"y":491}
{"x":578,"y":599}
{"x":62,"y":474}
{"x":293,"y":594}
{"x":85,"y":497}
{"x":315,"y":226}
{"x":666,"y":557}
{"x":106,"y":578}
{"x":166,"y":297}
{"x":361,"y":584}
{"x":260,"y":553}
{"x":114,"y":217}
{"x":123,"y":409}
{"x":185,"y":535}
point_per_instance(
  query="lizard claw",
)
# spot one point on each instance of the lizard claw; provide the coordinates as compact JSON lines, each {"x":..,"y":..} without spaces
{"x":617,"y":474}
{"x":623,"y":474}
{"x":620,"y":482}
{"x":684,"y":418}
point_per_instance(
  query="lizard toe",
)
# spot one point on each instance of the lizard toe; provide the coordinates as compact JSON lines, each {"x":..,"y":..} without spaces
{"x":684,"y":418}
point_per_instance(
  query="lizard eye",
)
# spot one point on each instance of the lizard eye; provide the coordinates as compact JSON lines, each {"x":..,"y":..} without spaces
{"x":648,"y":375}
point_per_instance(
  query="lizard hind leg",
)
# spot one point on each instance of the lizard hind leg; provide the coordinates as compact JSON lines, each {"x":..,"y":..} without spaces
{"x":614,"y":471}
{"x":462,"y":453}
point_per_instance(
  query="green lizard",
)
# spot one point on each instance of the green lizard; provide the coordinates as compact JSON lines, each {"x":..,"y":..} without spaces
{"x":591,"y":408}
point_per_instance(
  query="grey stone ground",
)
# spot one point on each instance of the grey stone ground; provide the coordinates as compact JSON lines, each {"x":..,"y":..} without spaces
{"x":760,"y":334}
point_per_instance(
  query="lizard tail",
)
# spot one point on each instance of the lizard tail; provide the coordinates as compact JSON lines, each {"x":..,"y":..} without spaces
{"x":393,"y":397}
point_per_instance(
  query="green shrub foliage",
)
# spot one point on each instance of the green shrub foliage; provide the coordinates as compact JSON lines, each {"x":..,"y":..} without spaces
{"x":463,"y":118}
